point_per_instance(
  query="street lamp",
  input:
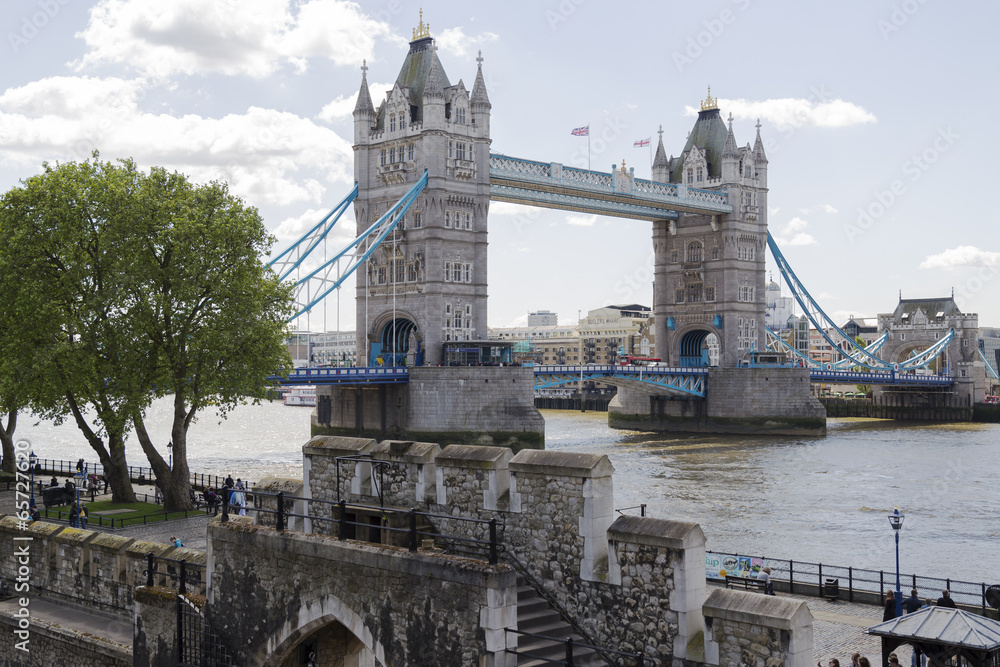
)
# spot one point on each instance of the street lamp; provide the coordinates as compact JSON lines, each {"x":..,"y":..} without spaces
{"x":32,"y":461}
{"x":170,"y":455}
{"x":896,"y":521}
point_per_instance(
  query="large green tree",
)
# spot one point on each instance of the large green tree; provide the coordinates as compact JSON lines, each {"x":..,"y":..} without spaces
{"x":123,"y":286}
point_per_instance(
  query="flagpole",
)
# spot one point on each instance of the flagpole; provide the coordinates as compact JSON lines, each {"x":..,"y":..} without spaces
{"x":588,"y":145}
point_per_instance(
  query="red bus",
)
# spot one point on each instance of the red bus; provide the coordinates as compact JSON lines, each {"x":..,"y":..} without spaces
{"x":638,"y":361}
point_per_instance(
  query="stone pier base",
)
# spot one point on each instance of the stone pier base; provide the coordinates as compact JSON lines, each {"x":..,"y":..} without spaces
{"x":749,"y":401}
{"x":451,"y":405}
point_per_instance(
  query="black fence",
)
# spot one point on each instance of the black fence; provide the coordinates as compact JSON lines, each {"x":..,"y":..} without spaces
{"x":856,"y":584}
{"x":138,"y":474}
{"x":481,"y":538}
{"x":574,"y":653}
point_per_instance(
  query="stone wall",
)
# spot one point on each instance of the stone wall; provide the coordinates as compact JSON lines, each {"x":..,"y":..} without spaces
{"x":406,"y":609}
{"x":154,"y":627}
{"x":77,"y":566}
{"x":52,"y":645}
{"x":480,"y":405}
{"x":744,"y":628}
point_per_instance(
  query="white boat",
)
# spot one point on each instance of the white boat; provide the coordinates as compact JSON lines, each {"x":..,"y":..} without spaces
{"x":301,"y":396}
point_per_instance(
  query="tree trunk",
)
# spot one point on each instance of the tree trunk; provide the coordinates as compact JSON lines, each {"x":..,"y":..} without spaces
{"x":175,"y":483}
{"x":7,"y":438}
{"x":115,"y":465}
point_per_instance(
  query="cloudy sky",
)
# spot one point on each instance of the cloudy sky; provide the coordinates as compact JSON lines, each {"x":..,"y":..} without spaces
{"x":878,"y":117}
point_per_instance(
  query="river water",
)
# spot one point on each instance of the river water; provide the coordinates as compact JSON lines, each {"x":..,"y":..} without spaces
{"x":822,"y":499}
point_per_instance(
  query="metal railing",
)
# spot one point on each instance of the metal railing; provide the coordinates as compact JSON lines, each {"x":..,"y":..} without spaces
{"x":138,"y":474}
{"x":573,"y":648}
{"x":488,"y":544}
{"x":804,"y":578}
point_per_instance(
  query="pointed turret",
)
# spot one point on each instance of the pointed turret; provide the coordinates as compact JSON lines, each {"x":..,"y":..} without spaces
{"x":758,"y":148}
{"x":661,"y":165}
{"x":433,"y":97}
{"x":364,"y":110}
{"x":730,"y":156}
{"x":480,"y":101}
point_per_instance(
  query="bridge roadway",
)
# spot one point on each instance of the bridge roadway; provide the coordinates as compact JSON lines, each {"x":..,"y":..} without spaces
{"x":658,"y":380}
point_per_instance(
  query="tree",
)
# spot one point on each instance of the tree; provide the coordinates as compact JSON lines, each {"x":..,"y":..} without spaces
{"x":124,"y":286}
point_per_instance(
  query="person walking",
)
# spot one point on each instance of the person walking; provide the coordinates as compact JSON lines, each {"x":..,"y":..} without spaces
{"x":82,"y":518}
{"x":863,"y":662}
{"x":74,"y":515}
{"x":890,"y":607}
{"x":945,"y":600}
{"x":856,"y":660}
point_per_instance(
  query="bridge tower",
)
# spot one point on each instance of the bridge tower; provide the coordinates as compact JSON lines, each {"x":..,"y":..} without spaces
{"x":426,"y":284}
{"x":709,"y":269}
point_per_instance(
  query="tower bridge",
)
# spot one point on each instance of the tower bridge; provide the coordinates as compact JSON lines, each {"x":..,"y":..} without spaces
{"x":425,"y":176}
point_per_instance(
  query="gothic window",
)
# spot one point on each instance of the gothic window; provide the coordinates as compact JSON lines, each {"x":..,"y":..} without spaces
{"x":715,"y":252}
{"x":451,"y":149}
{"x":411,"y":272}
{"x":447,"y":219}
{"x":694,"y":251}
{"x":460,"y":150}
{"x":690,"y":176}
{"x":402,"y":121}
{"x":468,"y":220}
{"x":447,"y":309}
{"x":679,"y":296}
{"x":397,"y":268}
{"x":416,"y":220}
{"x":699,"y":175}
{"x":694,"y":293}
{"x":458,"y":320}
{"x":460,"y":116}
{"x":673,"y":256}
{"x":468,"y":310}
{"x":447,"y":272}
{"x":383,"y":156}
{"x":392,"y":154}
{"x":710,"y":294}
{"x":381,"y":275}
{"x":392,"y":122}
{"x":468,"y":273}
{"x":409,"y":152}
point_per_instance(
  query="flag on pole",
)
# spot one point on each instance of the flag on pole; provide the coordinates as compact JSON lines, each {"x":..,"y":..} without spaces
{"x":581,"y":131}
{"x":642,"y":143}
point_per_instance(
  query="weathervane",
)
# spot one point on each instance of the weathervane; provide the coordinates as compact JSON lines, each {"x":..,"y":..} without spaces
{"x":421,"y":30}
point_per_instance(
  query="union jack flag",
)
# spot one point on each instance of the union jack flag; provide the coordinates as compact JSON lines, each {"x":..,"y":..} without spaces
{"x":642,"y":143}
{"x":581,"y":131}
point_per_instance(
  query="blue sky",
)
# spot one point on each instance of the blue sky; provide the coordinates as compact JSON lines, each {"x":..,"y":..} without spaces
{"x":878,"y":118}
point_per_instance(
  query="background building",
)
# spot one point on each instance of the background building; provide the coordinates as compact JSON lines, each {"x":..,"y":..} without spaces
{"x":543,"y":318}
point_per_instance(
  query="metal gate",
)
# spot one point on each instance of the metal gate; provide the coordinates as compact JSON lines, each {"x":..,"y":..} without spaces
{"x":199,"y":645}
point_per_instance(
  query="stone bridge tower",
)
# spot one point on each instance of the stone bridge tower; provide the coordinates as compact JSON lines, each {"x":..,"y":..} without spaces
{"x":426,"y":284}
{"x":709,"y":269}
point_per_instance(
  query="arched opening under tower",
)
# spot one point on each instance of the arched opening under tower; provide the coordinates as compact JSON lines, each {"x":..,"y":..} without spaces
{"x":937,"y":366}
{"x":699,"y":349}
{"x":328,"y":644}
{"x":393,"y":344}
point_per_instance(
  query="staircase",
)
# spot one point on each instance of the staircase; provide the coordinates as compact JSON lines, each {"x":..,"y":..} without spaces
{"x":536,"y":616}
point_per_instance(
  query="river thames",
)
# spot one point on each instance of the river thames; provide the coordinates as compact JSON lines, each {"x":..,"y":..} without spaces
{"x":814,"y":499}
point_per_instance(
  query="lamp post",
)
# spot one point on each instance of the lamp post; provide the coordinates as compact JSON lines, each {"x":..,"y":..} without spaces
{"x":32,"y":461}
{"x":896,"y":521}
{"x":170,"y":455}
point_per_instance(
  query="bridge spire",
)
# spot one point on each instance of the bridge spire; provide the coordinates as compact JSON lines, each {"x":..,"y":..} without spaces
{"x":479,"y":97}
{"x":661,"y":165}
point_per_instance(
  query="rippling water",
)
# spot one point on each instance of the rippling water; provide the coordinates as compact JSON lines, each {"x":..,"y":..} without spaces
{"x":809,"y":499}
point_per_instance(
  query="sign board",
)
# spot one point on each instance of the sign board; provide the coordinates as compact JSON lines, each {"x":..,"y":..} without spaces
{"x":717,"y":566}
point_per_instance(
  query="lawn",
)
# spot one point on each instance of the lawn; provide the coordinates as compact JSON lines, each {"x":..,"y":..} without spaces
{"x":136,"y":513}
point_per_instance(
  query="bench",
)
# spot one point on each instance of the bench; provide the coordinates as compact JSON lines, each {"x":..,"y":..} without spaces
{"x":745,"y":583}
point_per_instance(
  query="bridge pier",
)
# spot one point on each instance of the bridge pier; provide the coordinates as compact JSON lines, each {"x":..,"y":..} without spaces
{"x":746,"y":401}
{"x":474,"y":405}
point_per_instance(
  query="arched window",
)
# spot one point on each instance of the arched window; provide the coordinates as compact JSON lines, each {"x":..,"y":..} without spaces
{"x":694,"y":251}
{"x":460,"y":116}
{"x":392,"y":154}
{"x":409,"y":152}
{"x":402,"y":121}
{"x":690,"y":176}
{"x":699,"y":174}
{"x":392,"y":122}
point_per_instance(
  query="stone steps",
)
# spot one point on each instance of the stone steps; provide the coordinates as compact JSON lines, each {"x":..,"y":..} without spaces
{"x":536,"y":616}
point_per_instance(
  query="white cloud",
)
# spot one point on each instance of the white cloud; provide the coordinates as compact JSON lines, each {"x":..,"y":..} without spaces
{"x":291,"y":229}
{"x":508,"y":208}
{"x":267,"y":156}
{"x":341,"y":108}
{"x":251,"y":37}
{"x":455,"y":41}
{"x":796,"y":225}
{"x":581,"y":220}
{"x":791,"y":233}
{"x":961,"y":257}
{"x":829,"y":209}
{"x":792,"y":112}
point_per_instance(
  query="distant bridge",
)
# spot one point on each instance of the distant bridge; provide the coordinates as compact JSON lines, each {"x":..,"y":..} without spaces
{"x":655,"y":380}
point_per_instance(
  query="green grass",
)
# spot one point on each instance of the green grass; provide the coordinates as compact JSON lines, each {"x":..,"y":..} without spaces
{"x":143,"y":513}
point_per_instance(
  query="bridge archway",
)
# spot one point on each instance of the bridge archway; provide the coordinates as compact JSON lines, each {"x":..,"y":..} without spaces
{"x":331,"y":628}
{"x":391,"y":340}
{"x":696,"y":347}
{"x":903,"y":351}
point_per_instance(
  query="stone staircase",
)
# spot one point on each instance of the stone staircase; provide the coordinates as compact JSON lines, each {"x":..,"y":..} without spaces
{"x":536,"y":616}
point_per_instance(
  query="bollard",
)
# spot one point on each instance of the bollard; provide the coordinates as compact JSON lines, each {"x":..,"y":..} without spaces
{"x":279,"y":520}
{"x":569,"y":652}
{"x":413,"y":529}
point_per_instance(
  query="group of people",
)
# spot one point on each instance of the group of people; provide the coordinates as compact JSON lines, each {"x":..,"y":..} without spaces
{"x":78,"y":515}
{"x":232,"y":493}
{"x":910,"y":605}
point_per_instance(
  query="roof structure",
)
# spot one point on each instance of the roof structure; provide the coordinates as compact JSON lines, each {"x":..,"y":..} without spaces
{"x":932,"y":308}
{"x":942,"y":632}
{"x":709,"y":134}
